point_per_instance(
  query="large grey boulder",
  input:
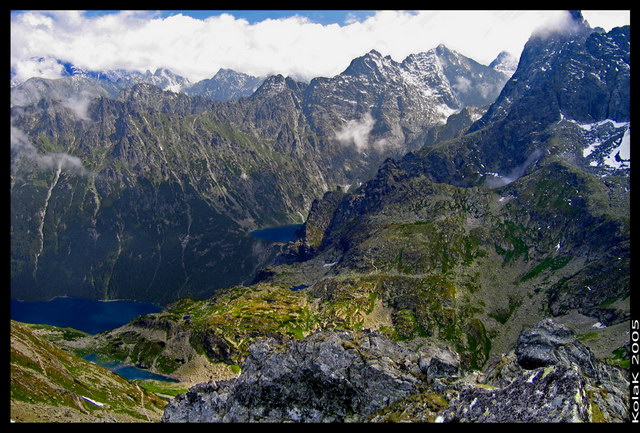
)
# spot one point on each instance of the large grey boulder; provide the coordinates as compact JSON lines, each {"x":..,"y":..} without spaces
{"x":557,"y":394}
{"x":549,"y":343}
{"x":327,"y":377}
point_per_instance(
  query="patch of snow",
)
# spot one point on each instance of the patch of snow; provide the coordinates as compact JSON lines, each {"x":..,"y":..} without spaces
{"x":92,"y":401}
{"x":595,"y":125}
{"x":327,"y":265}
{"x":620,"y":156}
{"x":598,"y":325}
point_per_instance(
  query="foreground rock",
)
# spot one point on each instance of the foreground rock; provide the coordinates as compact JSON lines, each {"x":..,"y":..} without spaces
{"x":364,"y":377}
{"x":330,"y":376}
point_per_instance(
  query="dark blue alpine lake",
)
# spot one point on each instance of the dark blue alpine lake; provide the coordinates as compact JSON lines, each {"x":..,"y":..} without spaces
{"x":85,"y":315}
{"x":278,"y":233}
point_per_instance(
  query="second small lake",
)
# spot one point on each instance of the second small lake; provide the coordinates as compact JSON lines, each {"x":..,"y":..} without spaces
{"x":278,"y":233}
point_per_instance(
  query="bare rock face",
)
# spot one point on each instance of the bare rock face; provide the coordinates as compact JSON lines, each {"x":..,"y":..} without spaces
{"x":551,"y":377}
{"x":327,"y":377}
{"x":548,"y":344}
{"x":554,"y":395}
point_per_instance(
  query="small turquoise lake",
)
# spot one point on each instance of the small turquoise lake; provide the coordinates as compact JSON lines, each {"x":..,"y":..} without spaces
{"x":128,"y":371}
{"x":86,"y":315}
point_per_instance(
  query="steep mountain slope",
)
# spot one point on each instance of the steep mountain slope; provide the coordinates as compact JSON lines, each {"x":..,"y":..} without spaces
{"x":49,"y":385}
{"x":164,"y":198}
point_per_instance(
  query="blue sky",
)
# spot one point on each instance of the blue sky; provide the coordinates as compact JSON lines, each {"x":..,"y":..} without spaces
{"x":324,"y":17}
{"x":302,"y":44}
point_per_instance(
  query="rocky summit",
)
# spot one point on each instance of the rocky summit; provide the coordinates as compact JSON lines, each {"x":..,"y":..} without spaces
{"x":338,"y":376}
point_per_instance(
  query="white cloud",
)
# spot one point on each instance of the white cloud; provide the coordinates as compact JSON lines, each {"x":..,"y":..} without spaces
{"x":21,"y":147}
{"x":79,"y":105}
{"x":294,"y":46}
{"x":497,"y":181}
{"x":356,"y":132}
{"x":462,"y":84}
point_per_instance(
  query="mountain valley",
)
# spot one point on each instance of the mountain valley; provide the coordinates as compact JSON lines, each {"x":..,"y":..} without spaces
{"x":464,"y":239}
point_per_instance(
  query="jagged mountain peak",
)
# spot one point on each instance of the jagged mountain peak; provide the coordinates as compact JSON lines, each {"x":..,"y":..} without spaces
{"x":574,"y":71}
{"x":442,"y":48}
{"x":505,"y":62}
{"x":225,"y":85}
{"x":576,"y":15}
{"x":371,"y":63}
{"x":227,"y":73}
{"x":275,"y":84}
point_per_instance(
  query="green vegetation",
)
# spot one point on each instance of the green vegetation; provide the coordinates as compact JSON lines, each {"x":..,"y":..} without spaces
{"x":551,"y":263}
{"x":503,"y":314}
{"x":620,"y":358}
{"x":514,"y":235}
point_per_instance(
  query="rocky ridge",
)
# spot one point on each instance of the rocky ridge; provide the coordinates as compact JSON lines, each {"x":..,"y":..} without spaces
{"x":362,"y":376}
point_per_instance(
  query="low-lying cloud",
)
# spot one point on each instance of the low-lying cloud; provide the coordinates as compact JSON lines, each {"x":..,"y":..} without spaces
{"x":21,"y":147}
{"x":515,"y":174}
{"x":79,"y":105}
{"x":356,"y":132}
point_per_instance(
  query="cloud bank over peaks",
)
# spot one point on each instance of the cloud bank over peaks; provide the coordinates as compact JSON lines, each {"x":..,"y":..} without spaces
{"x":294,"y":46}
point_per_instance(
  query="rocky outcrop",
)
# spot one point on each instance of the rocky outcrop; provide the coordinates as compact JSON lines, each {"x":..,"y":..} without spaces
{"x":353,"y":376}
{"x":550,"y":344}
{"x":555,"y":395}
{"x":550,"y":377}
{"x":329,"y":376}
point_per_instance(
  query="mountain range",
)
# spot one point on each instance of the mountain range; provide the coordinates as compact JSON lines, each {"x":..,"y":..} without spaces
{"x":463,"y":255}
{"x":171,"y":184}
